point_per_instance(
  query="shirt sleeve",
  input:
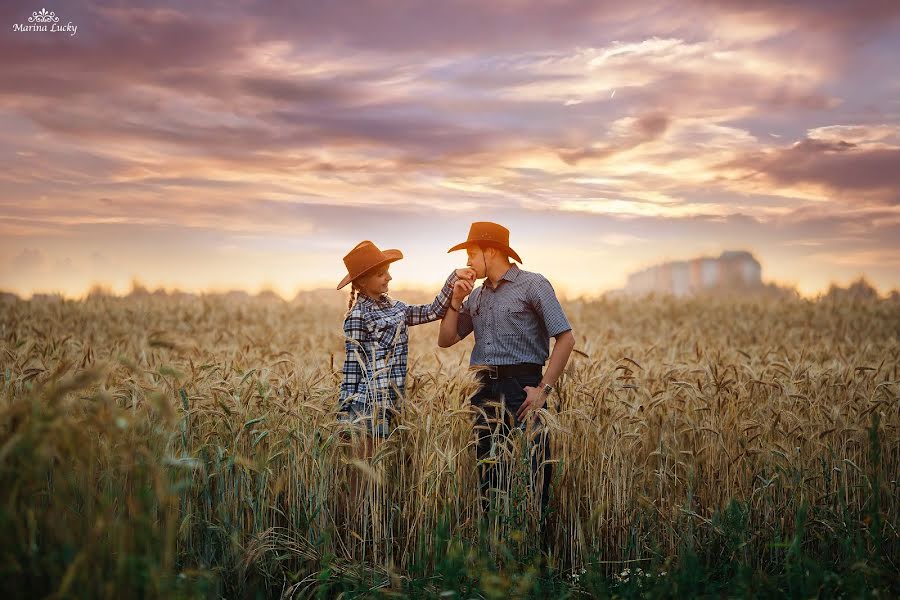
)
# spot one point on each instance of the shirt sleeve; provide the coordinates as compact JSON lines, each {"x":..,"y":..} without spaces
{"x":355,"y":358}
{"x":416,"y":314}
{"x":543,"y":299}
{"x":464,"y":324}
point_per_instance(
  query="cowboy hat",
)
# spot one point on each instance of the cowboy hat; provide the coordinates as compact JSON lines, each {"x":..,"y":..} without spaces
{"x":485,"y":233}
{"x":364,"y":257}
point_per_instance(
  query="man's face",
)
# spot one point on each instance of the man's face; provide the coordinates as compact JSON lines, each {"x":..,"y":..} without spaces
{"x":477,"y":261}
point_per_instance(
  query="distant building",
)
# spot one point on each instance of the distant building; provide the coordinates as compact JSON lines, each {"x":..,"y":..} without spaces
{"x":733,"y":269}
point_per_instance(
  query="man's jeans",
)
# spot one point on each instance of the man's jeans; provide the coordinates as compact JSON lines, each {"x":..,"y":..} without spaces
{"x":494,"y":423}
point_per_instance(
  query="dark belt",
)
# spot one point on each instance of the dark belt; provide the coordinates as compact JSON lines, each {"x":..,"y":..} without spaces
{"x":501,"y":371}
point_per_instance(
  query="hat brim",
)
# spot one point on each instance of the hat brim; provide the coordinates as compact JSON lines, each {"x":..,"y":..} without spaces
{"x":392,"y":255}
{"x":512,"y":253}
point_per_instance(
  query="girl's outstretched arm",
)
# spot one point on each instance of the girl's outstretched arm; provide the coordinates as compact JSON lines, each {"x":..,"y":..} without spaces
{"x":416,"y":314}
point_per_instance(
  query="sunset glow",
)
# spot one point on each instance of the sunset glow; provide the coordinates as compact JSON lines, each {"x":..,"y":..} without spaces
{"x":251,"y":145}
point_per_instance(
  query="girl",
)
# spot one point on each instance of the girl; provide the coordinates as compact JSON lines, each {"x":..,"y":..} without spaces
{"x":376,"y":342}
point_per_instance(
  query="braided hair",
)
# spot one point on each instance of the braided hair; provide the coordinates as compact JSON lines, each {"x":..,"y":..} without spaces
{"x":354,"y":293}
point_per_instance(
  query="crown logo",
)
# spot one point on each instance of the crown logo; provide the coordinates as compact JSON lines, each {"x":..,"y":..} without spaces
{"x":43,"y":17}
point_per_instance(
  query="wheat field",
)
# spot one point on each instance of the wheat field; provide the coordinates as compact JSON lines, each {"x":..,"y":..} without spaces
{"x":188,"y":446}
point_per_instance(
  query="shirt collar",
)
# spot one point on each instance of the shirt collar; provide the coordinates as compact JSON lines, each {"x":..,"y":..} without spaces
{"x":365,"y":300}
{"x":511,"y":274}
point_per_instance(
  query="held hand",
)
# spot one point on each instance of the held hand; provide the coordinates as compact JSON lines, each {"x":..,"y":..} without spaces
{"x":534,"y":400}
{"x":461,"y":289}
{"x":466,"y":273}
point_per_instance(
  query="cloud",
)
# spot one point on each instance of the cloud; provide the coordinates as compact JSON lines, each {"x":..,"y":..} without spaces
{"x":843,"y":18}
{"x":871,"y":173}
{"x":29,"y":258}
{"x":868,"y":135}
{"x":861,"y":259}
{"x":315,"y":122}
{"x":115,"y":49}
{"x":446,"y":27}
{"x":637,"y":131}
{"x":620,"y":239}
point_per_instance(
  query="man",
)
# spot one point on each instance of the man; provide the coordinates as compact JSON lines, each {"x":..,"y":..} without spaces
{"x":513,"y":315}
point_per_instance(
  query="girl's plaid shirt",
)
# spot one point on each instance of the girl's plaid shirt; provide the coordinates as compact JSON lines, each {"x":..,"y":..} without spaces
{"x":377,"y":346}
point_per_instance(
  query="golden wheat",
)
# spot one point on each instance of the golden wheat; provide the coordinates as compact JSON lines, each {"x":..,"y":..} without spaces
{"x":668,"y":408}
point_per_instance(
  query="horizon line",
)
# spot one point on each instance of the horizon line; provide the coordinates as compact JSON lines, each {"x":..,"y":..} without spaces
{"x":138,"y":288}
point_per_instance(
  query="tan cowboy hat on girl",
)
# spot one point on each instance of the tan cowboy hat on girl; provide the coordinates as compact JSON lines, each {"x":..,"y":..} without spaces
{"x":485,"y":233}
{"x":364,"y":257}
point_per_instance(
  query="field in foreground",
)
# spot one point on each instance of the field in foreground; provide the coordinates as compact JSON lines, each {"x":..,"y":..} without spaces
{"x":187,"y":447}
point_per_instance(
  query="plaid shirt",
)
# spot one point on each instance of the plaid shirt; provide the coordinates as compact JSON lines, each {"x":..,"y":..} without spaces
{"x":376,"y":343}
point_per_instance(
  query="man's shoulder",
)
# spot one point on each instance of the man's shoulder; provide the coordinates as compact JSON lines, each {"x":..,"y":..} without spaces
{"x":531,"y":277}
{"x":529,"y":274}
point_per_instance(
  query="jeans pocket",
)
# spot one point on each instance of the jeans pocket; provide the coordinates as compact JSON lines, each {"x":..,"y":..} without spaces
{"x":514,"y":388}
{"x":512,"y":391}
{"x":529,"y":380}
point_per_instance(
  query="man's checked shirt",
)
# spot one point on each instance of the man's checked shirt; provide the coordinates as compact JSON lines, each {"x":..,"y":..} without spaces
{"x":376,"y":343}
{"x":513,"y":322}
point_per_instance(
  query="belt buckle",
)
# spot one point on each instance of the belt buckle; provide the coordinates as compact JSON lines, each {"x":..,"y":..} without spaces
{"x":493,"y":372}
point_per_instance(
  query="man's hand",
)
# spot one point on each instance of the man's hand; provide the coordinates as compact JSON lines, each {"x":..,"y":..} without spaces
{"x":534,"y":400}
{"x":535,"y":397}
{"x":461,"y":289}
{"x":466,"y":273}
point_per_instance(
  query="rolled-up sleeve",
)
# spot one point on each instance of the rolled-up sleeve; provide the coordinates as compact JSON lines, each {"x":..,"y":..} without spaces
{"x":543,"y":299}
{"x":417,"y":314}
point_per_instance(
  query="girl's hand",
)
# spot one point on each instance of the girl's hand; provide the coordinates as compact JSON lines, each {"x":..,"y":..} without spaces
{"x":466,"y":273}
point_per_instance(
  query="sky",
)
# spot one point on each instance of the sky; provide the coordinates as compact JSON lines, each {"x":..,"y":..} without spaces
{"x":251,"y":144}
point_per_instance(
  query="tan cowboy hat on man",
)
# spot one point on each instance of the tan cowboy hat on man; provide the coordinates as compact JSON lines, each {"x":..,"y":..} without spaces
{"x":491,"y":235}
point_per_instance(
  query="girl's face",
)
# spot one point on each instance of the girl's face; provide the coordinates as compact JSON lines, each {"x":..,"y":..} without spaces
{"x":375,"y":284}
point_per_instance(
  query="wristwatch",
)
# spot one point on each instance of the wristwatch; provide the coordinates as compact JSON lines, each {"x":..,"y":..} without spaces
{"x":547,"y":389}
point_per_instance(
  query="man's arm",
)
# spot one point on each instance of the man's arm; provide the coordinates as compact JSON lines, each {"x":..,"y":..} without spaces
{"x":543,"y":300}
{"x":536,"y":397}
{"x":450,"y":323}
{"x":559,"y":357}
{"x":447,"y":336}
